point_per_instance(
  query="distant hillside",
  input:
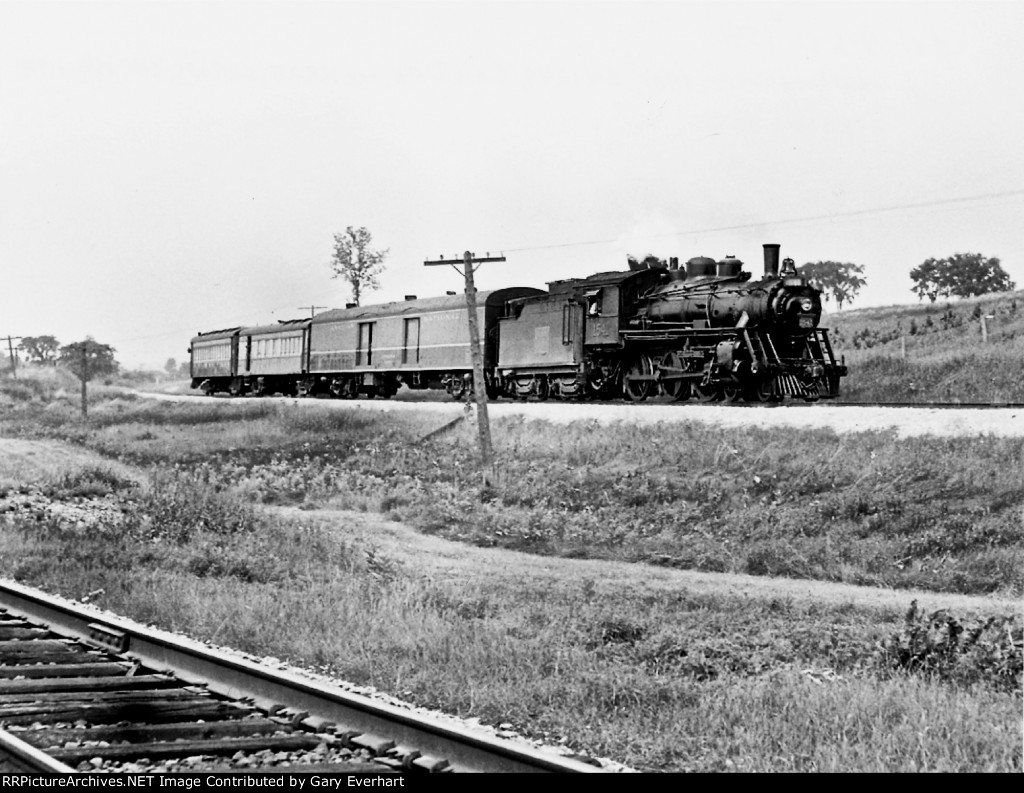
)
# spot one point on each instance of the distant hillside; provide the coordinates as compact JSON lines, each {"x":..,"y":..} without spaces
{"x":933,"y":352}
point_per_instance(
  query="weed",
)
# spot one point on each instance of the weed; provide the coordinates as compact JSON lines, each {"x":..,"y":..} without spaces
{"x":943,"y":646}
{"x":88,"y":482}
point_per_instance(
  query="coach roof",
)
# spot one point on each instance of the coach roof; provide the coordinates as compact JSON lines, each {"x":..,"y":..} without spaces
{"x":402,"y":307}
{"x":282,"y":326}
{"x":214,"y":335}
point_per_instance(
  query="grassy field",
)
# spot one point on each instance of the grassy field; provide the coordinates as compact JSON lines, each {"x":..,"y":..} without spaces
{"x":934,"y":352}
{"x":563,"y":601}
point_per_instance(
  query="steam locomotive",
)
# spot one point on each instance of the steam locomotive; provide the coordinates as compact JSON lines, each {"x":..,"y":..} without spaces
{"x":705,"y":330}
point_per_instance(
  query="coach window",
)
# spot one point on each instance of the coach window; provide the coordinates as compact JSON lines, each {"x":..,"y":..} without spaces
{"x":411,"y":341}
{"x":364,"y":352}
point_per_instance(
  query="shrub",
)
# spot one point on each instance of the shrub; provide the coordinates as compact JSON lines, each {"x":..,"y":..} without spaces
{"x":179,"y":505}
{"x":940,"y":645}
{"x":88,"y":482}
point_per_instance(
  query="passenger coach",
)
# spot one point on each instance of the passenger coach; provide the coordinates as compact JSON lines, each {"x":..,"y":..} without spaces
{"x":360,"y":350}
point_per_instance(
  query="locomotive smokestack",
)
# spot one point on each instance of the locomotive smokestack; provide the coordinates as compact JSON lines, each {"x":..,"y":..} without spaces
{"x":771,"y":260}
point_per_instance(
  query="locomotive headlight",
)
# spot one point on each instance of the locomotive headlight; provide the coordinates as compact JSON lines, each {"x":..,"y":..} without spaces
{"x":807,"y":305}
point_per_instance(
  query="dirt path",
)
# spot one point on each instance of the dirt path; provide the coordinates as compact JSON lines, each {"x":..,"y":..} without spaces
{"x":30,"y":460}
{"x":441,"y":559}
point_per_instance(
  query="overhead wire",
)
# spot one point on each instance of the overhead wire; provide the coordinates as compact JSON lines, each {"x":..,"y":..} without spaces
{"x":806,"y":219}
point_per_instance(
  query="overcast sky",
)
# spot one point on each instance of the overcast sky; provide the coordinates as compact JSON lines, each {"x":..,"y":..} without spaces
{"x":171,"y":167}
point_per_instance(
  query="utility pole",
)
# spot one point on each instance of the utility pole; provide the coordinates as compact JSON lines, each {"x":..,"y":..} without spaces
{"x":10,"y":349}
{"x":468,"y":261}
{"x":85,"y":376}
{"x":312,"y":310}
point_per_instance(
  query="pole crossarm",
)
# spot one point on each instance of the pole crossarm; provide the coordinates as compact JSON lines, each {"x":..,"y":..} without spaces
{"x":461,"y":260}
{"x":475,"y":261}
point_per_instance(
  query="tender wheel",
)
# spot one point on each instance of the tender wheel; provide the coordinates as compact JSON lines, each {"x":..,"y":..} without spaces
{"x":637,"y":390}
{"x":673,"y":383}
{"x":541,"y":388}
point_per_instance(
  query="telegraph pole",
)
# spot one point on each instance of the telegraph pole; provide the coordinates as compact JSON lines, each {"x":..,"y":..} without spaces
{"x":10,"y":349}
{"x":85,"y":376}
{"x":468,"y":261}
{"x":312,"y":310}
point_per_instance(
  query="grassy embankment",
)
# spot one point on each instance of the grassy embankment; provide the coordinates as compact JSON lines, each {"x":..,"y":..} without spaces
{"x":656,"y":676}
{"x":934,"y":352}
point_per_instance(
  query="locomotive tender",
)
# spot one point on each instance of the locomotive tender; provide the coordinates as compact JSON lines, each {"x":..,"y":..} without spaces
{"x":705,"y":330}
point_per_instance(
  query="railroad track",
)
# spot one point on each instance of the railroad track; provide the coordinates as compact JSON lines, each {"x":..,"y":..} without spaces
{"x":80,"y":691}
{"x":793,"y":403}
{"x":798,"y":403}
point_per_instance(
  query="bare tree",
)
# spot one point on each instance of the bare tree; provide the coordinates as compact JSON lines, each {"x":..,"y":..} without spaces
{"x":356,"y":262}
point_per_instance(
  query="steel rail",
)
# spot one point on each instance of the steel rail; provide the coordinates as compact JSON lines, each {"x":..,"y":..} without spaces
{"x":832,"y":403}
{"x":26,"y":758}
{"x":281,"y":691}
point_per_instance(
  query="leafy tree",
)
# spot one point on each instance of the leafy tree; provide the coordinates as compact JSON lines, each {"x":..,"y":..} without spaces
{"x":838,"y":281}
{"x":40,"y":348}
{"x":356,"y":262}
{"x":959,"y":275}
{"x":87,"y":359}
{"x":171,"y":367}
